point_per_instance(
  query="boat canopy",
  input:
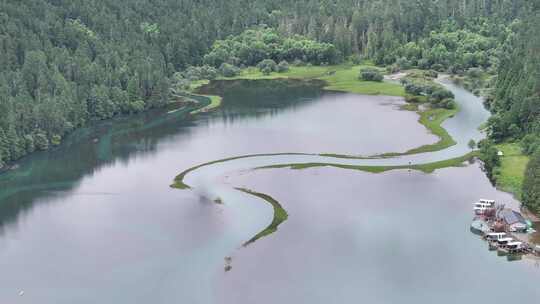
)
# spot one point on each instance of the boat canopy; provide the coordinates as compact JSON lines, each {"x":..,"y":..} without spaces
{"x":487,"y":201}
{"x":504,"y":240}
{"x":480,"y":208}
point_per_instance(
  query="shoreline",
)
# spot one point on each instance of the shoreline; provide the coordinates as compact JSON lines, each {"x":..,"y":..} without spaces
{"x":373,"y":164}
{"x":344,"y":78}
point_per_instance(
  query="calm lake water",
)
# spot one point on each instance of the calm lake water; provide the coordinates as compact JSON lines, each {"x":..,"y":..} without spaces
{"x":95,"y":220}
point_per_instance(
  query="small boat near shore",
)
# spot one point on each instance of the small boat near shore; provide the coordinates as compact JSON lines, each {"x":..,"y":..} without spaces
{"x":483,"y":205}
{"x":480,"y":227}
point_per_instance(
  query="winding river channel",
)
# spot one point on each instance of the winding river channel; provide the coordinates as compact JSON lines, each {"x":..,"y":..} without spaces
{"x":95,"y":221}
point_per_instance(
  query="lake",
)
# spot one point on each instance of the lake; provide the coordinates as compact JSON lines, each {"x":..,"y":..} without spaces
{"x":96,"y":221}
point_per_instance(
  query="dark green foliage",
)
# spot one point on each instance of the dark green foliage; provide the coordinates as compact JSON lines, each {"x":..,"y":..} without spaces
{"x":64,"y":64}
{"x":421,"y":85}
{"x":267,"y":66}
{"x":531,"y":184}
{"x":489,"y":156}
{"x":228,"y":70}
{"x":516,"y":100}
{"x":255,"y":45}
{"x":530,"y":143}
{"x":200,"y":72}
{"x":283,"y":66}
{"x":370,"y":74}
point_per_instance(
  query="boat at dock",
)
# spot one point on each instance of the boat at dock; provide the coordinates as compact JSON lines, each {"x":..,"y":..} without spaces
{"x":480,"y":226}
{"x":483,"y":205}
{"x":494,"y":236}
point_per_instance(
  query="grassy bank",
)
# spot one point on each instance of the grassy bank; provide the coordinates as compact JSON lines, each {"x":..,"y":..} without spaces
{"x":432,"y":120}
{"x":280,"y":215}
{"x":343,"y":78}
{"x":510,"y":174}
{"x":215,"y":101}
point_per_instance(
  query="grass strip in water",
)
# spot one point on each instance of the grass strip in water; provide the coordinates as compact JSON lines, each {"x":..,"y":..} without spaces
{"x":432,"y":119}
{"x":179,"y":179}
{"x":280,"y":215}
{"x":426,"y":168}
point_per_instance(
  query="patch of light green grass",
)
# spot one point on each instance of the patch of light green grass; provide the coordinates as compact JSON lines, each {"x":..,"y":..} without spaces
{"x":509,"y":176}
{"x":343,"y":78}
{"x":215,"y":101}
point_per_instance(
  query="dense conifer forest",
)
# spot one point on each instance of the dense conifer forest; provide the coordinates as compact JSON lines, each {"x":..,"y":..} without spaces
{"x":64,"y":64}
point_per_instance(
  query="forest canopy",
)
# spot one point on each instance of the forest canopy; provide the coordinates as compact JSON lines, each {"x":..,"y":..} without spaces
{"x":255,"y":45}
{"x":66,"y":63}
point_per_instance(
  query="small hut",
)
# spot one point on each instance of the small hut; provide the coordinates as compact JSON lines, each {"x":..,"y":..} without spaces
{"x":513,"y":220}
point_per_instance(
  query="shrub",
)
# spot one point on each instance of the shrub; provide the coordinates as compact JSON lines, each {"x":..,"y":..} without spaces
{"x":56,"y":140}
{"x":438,"y":67}
{"x":439,"y":94}
{"x":423,"y":64}
{"x":474,"y":72}
{"x":202,"y":72}
{"x":136,"y":106}
{"x":41,"y":141}
{"x":283,"y":66}
{"x":370,"y":74}
{"x":447,"y":103}
{"x":394,"y":68}
{"x":413,"y":88}
{"x":431,"y":73}
{"x":267,"y":66}
{"x":228,"y":70}
{"x":403,"y":63}
{"x":298,"y":62}
{"x":530,"y":143}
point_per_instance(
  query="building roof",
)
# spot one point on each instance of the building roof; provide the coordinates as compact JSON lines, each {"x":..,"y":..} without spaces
{"x":511,"y":217}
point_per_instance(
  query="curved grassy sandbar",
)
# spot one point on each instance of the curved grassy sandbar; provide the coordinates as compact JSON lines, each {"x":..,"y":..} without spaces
{"x":462,"y":126}
{"x":280,"y":214}
{"x":426,"y":168}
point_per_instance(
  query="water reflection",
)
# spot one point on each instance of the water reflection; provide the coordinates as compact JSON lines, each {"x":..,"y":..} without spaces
{"x":105,"y":144}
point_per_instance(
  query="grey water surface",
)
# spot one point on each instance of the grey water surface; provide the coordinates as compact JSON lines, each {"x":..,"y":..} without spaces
{"x":94,"y":221}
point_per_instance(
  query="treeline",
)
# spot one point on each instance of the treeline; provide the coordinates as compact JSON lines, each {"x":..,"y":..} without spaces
{"x":255,"y":45}
{"x":65,"y":63}
{"x":516,"y":103}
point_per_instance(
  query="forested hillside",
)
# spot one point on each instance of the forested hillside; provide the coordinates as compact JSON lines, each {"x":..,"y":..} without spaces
{"x":66,"y":63}
{"x":516,"y":102}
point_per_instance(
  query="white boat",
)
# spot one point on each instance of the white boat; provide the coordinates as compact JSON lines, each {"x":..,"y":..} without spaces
{"x":503,"y":242}
{"x":482,"y":205}
{"x":494,"y":236}
{"x":514,"y":247}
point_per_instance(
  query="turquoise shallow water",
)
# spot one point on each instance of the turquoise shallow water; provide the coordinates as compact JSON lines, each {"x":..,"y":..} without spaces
{"x":95,"y":220}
